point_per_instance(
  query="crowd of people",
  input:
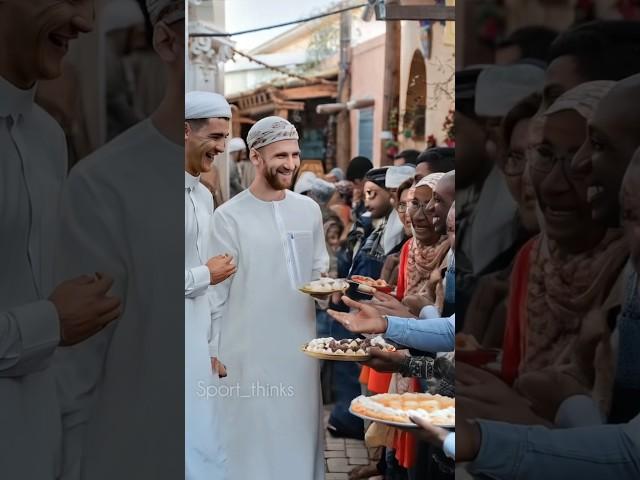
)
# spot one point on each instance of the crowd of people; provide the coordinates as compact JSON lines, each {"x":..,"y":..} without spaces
{"x":547,"y":164}
{"x":393,"y":223}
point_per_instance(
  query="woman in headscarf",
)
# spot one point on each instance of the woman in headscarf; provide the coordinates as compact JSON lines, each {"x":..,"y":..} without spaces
{"x":422,"y":255}
{"x":572,"y":267}
{"x":420,"y":259}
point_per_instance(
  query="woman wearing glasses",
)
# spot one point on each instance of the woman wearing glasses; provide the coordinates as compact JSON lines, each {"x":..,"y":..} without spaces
{"x":570,"y":268}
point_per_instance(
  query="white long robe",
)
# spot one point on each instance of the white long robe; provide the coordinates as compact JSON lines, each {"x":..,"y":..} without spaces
{"x":204,"y":458}
{"x":33,"y":163}
{"x":123,"y":395}
{"x":271,"y":412}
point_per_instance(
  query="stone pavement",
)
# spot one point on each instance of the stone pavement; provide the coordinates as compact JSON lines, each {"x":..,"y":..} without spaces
{"x":343,"y":454}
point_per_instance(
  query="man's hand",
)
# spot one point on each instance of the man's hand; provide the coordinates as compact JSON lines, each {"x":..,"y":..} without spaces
{"x":389,"y":305}
{"x":428,"y":432}
{"x":367,"y":320}
{"x":217,"y":367}
{"x":389,"y":362}
{"x":221,"y":268}
{"x":83,"y":307}
{"x":481,"y":394}
{"x":415,"y":303}
{"x":548,"y":389}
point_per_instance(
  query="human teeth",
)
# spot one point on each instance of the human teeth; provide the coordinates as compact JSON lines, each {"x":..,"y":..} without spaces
{"x":593,"y":191}
{"x":561,"y":212}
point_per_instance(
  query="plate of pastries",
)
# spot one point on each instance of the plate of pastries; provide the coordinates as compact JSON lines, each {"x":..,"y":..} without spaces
{"x":324,"y":286}
{"x":345,"y":350}
{"x":396,"y":409}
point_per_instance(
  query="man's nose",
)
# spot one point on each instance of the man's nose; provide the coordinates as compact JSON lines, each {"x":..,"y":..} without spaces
{"x":84,"y":19}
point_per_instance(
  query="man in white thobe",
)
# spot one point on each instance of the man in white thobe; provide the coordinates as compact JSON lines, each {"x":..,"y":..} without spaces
{"x":33,"y":318}
{"x":206,"y":129}
{"x":271,"y":409}
{"x":122,"y":211}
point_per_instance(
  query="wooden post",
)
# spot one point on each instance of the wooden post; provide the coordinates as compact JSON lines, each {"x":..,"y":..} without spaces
{"x":391,"y":80}
{"x":343,"y":134}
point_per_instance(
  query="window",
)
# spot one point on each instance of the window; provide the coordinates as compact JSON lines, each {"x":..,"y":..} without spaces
{"x":365,"y":133}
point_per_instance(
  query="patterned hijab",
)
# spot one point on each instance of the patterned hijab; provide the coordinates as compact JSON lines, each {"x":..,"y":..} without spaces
{"x":563,"y":287}
{"x":425,"y":259}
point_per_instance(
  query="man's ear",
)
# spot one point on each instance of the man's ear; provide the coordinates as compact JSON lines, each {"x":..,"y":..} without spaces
{"x":254,"y":157}
{"x":164,"y":40}
{"x":187,"y":131}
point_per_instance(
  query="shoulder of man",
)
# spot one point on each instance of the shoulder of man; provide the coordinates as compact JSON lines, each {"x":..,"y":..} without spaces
{"x":49,"y":127}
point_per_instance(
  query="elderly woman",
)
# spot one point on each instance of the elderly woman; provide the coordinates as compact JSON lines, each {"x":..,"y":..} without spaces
{"x":571,"y":268}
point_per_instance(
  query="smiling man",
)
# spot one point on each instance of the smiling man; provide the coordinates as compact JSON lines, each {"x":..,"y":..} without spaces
{"x":33,"y":163}
{"x":122,"y":213}
{"x":274,"y":415}
{"x":206,"y":127}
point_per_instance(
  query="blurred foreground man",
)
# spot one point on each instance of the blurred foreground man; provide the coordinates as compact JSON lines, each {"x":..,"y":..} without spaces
{"x":34,"y":320}
{"x":122,"y":211}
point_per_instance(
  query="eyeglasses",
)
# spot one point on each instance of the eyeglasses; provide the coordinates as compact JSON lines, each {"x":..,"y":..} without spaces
{"x":414,"y":206}
{"x":401,"y":208}
{"x":544,"y":159}
{"x":515,"y":163}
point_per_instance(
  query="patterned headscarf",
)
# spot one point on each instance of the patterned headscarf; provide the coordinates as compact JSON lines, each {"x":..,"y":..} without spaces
{"x":583,"y":99}
{"x":270,"y":130}
{"x":562,"y":286}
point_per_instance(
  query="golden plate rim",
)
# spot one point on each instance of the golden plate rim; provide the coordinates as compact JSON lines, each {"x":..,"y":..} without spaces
{"x":391,"y":423}
{"x":338,"y":358}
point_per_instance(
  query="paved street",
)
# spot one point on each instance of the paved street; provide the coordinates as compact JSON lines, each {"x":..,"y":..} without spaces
{"x":342,"y":455}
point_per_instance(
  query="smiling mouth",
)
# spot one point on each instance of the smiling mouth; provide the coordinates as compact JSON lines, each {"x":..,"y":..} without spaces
{"x":60,"y":41}
{"x":560,"y":213}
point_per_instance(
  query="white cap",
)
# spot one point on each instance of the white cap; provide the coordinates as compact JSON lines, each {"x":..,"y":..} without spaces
{"x":305,"y":182}
{"x":501,"y":87}
{"x":236,"y":144}
{"x":397,"y":175}
{"x":200,"y":104}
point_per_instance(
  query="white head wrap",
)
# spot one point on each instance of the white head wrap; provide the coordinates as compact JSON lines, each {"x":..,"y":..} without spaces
{"x":270,"y":130}
{"x":397,"y":175}
{"x":199,"y":105}
{"x":430,"y":180}
{"x":168,"y":11}
{"x":236,"y":144}
{"x":305,"y":182}
{"x":322,"y":190}
{"x":501,"y":87}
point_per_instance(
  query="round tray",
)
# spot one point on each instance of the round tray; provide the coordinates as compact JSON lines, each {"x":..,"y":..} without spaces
{"x":395,"y":424}
{"x":336,"y":358}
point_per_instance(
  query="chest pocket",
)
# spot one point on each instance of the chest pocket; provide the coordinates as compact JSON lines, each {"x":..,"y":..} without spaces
{"x":300,"y":245}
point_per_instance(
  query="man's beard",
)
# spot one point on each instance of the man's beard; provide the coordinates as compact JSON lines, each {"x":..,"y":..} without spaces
{"x":271,"y":176}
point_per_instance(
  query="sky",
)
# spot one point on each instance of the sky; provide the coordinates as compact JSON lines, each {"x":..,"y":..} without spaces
{"x":248,"y":14}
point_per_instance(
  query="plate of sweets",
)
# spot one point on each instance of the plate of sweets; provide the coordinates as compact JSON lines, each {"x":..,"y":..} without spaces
{"x":395,"y":409}
{"x":324,"y":286}
{"x":372,"y":284}
{"x":346,"y":350}
{"x":469,"y":351}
